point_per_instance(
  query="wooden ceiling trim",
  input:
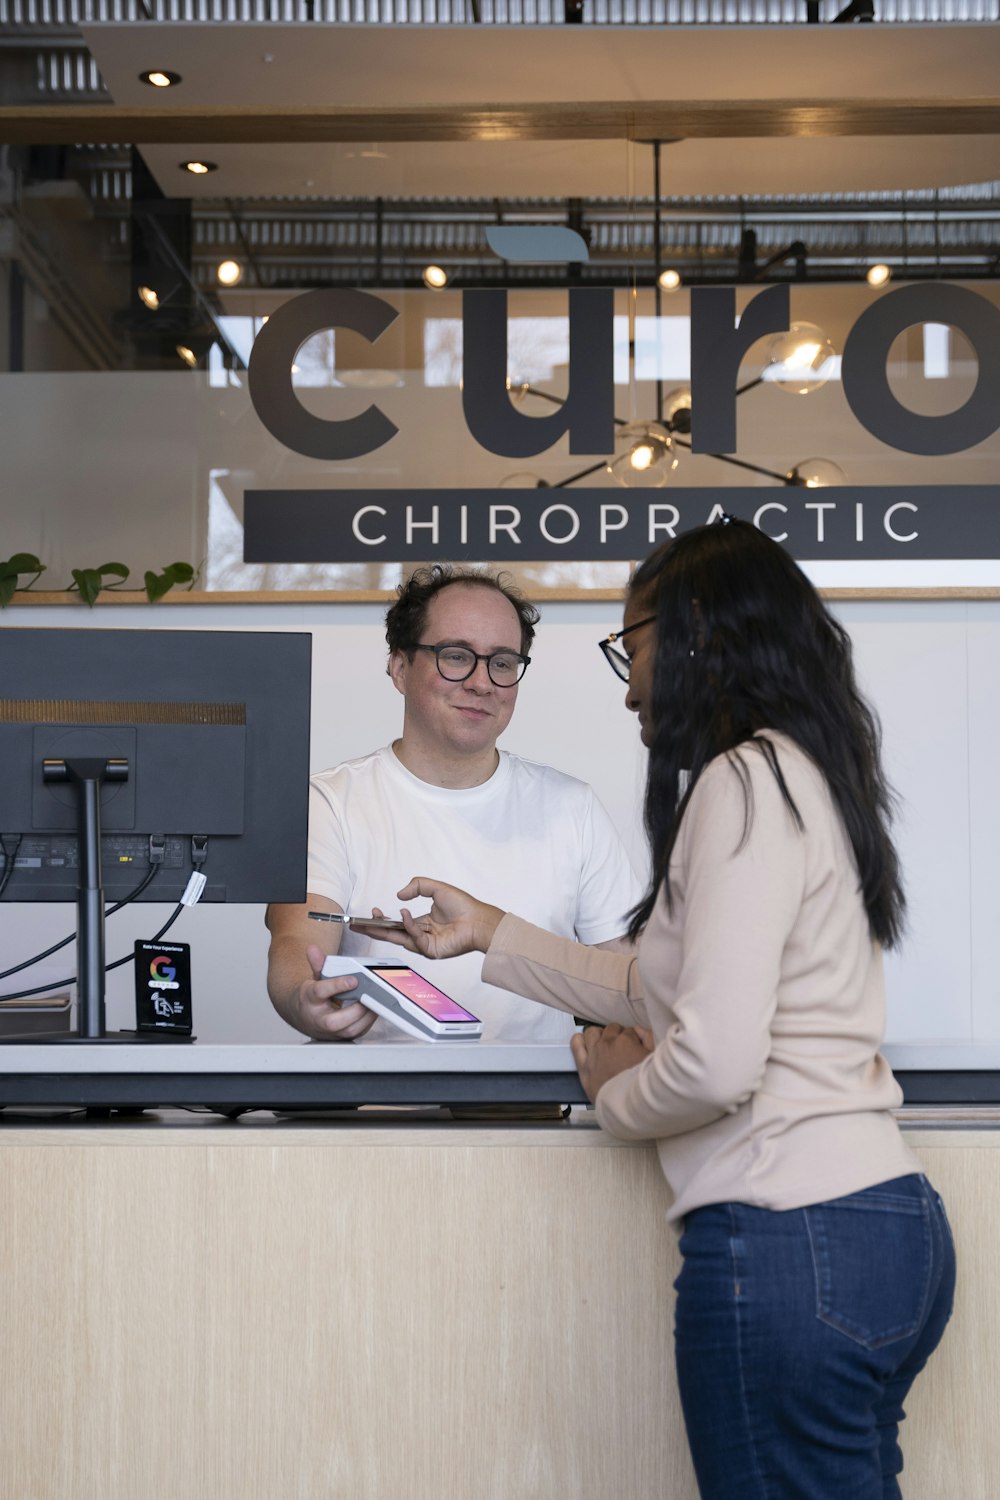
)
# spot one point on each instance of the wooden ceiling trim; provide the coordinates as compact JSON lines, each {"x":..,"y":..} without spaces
{"x":648,"y":120}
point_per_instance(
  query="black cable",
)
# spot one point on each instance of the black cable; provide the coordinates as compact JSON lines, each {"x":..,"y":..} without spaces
{"x":41,"y":989}
{"x":8,"y":862}
{"x":39,"y":957}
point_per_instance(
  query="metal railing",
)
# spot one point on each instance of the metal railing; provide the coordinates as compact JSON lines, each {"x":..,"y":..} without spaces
{"x":72,"y":14}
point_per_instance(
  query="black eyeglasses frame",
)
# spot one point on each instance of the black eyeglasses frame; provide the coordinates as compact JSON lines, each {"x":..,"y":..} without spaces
{"x":486,"y":656}
{"x":619,"y":663}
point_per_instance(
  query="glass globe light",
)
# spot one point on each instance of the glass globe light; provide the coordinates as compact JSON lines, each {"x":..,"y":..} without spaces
{"x":517,"y":389}
{"x":675,"y":413}
{"x":799,"y":361}
{"x":645,"y":455}
{"x":817,"y":473}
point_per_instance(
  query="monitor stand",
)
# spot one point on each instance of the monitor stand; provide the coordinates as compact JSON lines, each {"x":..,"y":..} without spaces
{"x":88,"y":774}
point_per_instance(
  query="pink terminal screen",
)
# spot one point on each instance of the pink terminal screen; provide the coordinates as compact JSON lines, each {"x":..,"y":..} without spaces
{"x":420,"y":990}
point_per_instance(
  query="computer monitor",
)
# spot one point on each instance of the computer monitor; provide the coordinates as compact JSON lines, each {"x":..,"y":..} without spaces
{"x":188,"y":749}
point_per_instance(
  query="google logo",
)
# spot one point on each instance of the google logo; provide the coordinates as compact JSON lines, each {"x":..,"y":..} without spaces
{"x":163,"y":975}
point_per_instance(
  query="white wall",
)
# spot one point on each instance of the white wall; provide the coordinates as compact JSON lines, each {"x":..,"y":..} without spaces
{"x":928,"y":666}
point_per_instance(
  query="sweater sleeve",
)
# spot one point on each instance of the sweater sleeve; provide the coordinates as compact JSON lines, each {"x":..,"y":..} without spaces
{"x":738,"y":877}
{"x":592,"y":982}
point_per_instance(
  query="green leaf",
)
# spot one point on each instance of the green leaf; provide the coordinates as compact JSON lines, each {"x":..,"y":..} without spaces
{"x":88,"y":581}
{"x":113,"y":570}
{"x":23,"y":562}
{"x":157,"y":584}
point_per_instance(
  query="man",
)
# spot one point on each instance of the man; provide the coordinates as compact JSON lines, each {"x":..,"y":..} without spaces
{"x":442,"y":800}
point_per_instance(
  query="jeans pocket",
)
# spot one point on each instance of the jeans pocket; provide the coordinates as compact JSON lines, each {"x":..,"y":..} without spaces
{"x":872,"y":1257}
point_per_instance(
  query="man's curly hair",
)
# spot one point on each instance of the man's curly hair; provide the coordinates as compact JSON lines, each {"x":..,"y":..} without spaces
{"x":407,"y":617}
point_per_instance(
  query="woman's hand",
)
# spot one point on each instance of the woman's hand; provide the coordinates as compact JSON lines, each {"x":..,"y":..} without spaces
{"x":456,"y":923}
{"x":602,"y":1052}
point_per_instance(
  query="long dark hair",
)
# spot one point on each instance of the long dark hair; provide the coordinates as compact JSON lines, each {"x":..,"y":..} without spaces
{"x":743,"y":644}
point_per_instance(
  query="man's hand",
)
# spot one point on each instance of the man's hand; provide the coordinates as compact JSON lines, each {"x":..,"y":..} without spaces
{"x":456,"y":923}
{"x":601,"y":1053}
{"x":321,"y":1008}
{"x":325,"y":1009}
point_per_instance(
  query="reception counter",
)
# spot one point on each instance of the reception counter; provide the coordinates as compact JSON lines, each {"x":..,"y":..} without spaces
{"x":154,"y":1073}
{"x":393,"y":1307}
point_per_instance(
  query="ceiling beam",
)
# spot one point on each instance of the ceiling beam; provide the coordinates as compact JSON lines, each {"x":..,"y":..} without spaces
{"x":97,"y":124}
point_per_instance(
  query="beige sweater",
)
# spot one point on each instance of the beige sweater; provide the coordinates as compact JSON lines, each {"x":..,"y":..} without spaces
{"x":763,"y":990}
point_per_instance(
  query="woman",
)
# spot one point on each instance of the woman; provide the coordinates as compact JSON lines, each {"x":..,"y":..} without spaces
{"x":818,"y":1268}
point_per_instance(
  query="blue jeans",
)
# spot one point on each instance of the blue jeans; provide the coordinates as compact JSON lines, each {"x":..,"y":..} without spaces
{"x":798,"y":1335}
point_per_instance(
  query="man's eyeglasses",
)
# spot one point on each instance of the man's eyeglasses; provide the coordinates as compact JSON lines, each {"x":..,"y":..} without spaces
{"x":617,"y":660}
{"x":456,"y":663}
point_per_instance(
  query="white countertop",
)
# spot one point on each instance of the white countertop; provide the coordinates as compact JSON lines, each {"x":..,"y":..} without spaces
{"x":943,"y":1057}
{"x":391,"y":1057}
{"x":296,"y":1057}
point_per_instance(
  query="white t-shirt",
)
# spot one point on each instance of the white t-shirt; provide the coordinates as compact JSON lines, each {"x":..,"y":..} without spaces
{"x":530,"y":840}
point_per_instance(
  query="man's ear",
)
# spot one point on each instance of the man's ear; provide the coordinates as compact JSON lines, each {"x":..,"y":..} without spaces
{"x":396,"y":669}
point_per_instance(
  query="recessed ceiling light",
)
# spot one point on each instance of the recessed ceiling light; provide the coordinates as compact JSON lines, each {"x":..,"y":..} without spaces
{"x":669,"y":280}
{"x":187,"y":355}
{"x":229,"y":272}
{"x":159,"y":78}
{"x":149,"y":297}
{"x":435,"y":277}
{"x":199,"y":168}
{"x":878,"y":275}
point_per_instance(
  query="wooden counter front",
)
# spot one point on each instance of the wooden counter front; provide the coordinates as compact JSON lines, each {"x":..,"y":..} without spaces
{"x":277,"y":1310}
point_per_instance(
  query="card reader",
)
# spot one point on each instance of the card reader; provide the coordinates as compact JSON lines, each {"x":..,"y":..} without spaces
{"x":405,"y":998}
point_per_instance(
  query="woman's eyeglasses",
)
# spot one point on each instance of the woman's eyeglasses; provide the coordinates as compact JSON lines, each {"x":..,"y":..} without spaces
{"x":619,"y":663}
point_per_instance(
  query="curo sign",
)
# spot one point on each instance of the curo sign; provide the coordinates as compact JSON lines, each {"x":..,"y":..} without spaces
{"x":586,"y":417}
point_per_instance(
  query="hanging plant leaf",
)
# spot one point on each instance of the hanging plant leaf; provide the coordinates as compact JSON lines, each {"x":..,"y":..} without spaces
{"x":158,"y":584}
{"x":23,"y":562}
{"x":113,"y":570}
{"x":20,"y":564}
{"x":88,"y":581}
